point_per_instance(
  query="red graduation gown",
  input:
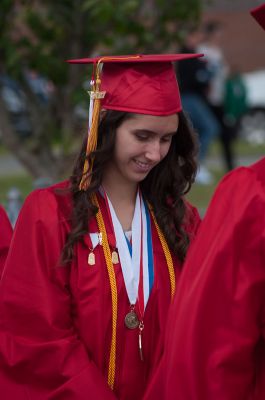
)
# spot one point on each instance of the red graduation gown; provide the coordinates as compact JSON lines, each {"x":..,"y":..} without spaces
{"x":216,"y":348}
{"x":55,"y":331}
{"x":5,"y":237}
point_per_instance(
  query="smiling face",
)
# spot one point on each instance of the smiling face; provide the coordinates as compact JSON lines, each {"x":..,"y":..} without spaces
{"x":142,"y":141}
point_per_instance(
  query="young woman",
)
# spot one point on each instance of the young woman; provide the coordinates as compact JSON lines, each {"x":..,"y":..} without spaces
{"x":5,"y":237}
{"x":216,"y":346}
{"x":95,"y":260}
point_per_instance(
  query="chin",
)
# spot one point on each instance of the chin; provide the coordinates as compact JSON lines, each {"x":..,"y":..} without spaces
{"x":140,"y":178}
{"x":135,"y":179}
{"x":134,"y":176}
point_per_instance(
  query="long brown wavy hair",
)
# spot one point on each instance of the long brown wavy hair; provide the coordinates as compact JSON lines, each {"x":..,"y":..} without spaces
{"x":164,"y":186}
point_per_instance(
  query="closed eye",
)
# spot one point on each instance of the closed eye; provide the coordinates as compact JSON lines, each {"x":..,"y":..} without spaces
{"x":167,"y":138}
{"x":142,"y":137}
{"x":145,"y":135}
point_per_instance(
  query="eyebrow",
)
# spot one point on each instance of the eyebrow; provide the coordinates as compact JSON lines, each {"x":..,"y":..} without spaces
{"x":152,"y":133}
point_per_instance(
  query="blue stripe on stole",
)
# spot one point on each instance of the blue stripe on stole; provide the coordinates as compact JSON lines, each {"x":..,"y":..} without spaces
{"x":129,"y":245}
{"x":149,"y":248}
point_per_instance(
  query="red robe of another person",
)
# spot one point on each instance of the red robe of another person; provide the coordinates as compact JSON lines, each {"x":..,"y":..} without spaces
{"x":215,"y":346}
{"x":56,"y":321}
{"x":5,"y":237}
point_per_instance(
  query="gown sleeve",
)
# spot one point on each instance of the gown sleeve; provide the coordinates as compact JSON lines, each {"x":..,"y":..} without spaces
{"x":5,"y":237}
{"x":217,"y":317}
{"x":41,"y":355}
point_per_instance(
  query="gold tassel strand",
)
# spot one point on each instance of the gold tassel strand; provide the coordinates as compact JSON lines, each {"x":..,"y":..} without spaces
{"x":92,"y":139}
{"x":91,"y":146}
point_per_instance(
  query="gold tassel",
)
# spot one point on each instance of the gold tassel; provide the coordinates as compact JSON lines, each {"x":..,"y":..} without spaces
{"x":91,"y":146}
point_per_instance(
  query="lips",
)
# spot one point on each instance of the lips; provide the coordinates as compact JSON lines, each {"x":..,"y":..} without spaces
{"x":143,"y":166}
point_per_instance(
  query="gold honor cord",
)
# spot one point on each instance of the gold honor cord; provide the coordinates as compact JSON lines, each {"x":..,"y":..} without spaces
{"x":114,"y":295}
{"x":113,"y":286}
{"x":167,"y":255}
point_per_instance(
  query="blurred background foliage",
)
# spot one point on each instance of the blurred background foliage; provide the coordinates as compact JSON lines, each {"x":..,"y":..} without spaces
{"x":37,"y":37}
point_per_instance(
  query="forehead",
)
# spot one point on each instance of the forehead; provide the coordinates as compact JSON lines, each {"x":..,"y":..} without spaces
{"x":153,"y":123}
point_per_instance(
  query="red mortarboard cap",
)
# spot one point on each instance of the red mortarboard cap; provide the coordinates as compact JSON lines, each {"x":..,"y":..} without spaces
{"x":142,"y":84}
{"x":259,"y":14}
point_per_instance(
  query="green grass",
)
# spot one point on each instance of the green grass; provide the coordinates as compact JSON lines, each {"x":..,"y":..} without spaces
{"x":3,"y":150}
{"x":200,"y":195}
{"x":21,"y":182}
{"x":241,"y":148}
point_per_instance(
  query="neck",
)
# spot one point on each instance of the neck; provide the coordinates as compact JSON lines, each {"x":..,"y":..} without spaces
{"x":122,"y":195}
{"x":119,"y":190}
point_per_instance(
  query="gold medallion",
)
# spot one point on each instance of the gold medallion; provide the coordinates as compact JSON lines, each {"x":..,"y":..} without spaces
{"x":91,"y":258}
{"x":115,"y":257}
{"x":131,"y":320}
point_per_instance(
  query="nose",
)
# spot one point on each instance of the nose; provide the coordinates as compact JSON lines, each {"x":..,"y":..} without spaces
{"x":153,"y":151}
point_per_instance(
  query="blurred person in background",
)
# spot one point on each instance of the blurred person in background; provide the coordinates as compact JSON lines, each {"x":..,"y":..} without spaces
{"x":194,"y":79}
{"x":14,"y":204}
{"x":95,"y":260}
{"x":215,"y":342}
{"x":218,"y":67}
{"x":5,"y":237}
{"x":235,"y":101}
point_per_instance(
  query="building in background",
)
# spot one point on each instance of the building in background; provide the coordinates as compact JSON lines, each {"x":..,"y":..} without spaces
{"x":243,"y":39}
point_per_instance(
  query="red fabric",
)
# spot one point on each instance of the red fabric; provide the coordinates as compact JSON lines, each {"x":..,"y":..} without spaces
{"x":259,"y":14}
{"x":141,"y":88}
{"x":143,"y":85}
{"x":55,"y":327}
{"x":215,"y":347}
{"x":5,"y":237}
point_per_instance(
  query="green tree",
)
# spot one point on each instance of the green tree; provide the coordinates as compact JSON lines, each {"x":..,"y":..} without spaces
{"x":39,"y":36}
